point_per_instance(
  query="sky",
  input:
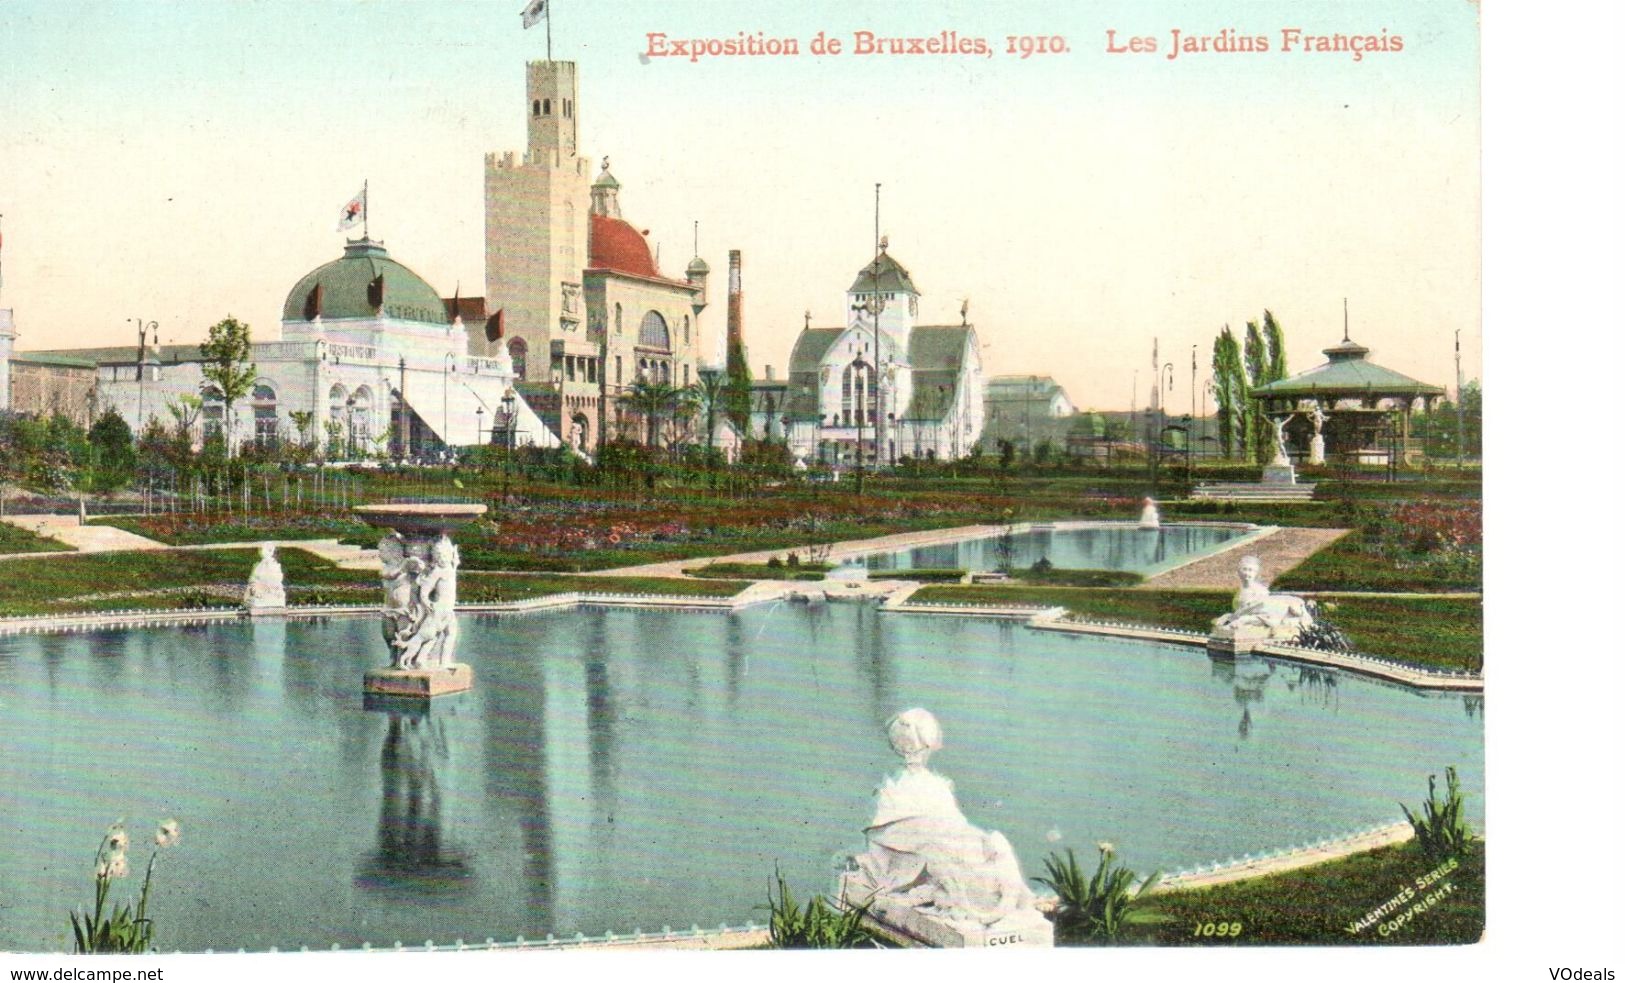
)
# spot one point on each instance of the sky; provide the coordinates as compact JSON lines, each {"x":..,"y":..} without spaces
{"x":181,"y":161}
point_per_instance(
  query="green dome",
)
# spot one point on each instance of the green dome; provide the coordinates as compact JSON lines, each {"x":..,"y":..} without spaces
{"x":345,"y":293}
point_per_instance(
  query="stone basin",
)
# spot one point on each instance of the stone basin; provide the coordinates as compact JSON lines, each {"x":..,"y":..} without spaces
{"x":423,"y":518}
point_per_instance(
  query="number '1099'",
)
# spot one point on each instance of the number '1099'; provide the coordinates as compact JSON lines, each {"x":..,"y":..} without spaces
{"x":1221,"y":930}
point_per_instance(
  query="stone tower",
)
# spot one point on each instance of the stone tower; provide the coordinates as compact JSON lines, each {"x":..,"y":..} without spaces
{"x":536,"y":224}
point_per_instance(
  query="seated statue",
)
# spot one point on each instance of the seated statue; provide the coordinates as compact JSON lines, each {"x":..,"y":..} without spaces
{"x":1260,"y":613}
{"x":265,"y":588}
{"x":924,"y":853}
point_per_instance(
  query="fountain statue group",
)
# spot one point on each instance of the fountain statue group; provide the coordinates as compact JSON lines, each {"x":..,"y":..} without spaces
{"x":930,"y":873}
{"x":420,"y":600}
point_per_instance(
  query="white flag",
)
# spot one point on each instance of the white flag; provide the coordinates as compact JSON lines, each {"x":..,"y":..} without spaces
{"x":354,"y":212}
{"x":533,"y":13}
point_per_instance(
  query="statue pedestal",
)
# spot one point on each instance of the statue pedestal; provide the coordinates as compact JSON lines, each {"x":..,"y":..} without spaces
{"x":265,"y":610}
{"x":420,"y":683}
{"x":1280,"y":474}
{"x":1025,"y":928}
{"x":1317,"y":449}
{"x":1229,"y":642}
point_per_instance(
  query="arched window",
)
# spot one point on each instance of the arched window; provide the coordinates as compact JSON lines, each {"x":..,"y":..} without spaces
{"x":617,"y":370}
{"x":687,"y":339}
{"x":517,"y":351}
{"x":665,"y":373}
{"x":361,"y":418}
{"x":536,"y":107}
{"x":617,"y":318}
{"x":335,"y":403}
{"x":547,"y":107}
{"x":264,"y":403}
{"x":214,"y":413}
{"x":652,"y":333}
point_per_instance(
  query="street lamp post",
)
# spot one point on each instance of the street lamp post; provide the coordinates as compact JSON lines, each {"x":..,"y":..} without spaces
{"x":142,"y":327}
{"x":349,"y":406}
{"x":507,"y":440}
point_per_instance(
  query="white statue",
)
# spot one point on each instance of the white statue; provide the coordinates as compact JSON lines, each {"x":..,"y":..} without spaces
{"x":924,"y":854}
{"x":1280,"y":439}
{"x":1260,"y":614}
{"x":1317,"y":443}
{"x":265,"y":588}
{"x":420,"y":600}
{"x":1150,"y":518}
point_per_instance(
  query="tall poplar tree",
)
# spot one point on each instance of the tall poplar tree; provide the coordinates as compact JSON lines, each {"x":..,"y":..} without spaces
{"x":1275,"y":341}
{"x":1230,"y":388}
{"x":1256,"y":358}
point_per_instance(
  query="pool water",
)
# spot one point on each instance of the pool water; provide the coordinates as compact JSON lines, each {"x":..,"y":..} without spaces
{"x":1104,"y":547}
{"x":621,"y":768}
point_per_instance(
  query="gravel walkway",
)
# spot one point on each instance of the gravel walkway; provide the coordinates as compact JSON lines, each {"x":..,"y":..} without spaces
{"x":1277,"y":553}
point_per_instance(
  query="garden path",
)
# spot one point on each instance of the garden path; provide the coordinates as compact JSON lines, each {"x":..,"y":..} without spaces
{"x":339,"y":554}
{"x":837,"y":551}
{"x":84,"y":539}
{"x":1277,"y":553}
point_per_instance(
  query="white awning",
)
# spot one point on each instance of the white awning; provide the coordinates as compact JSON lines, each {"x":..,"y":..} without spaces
{"x":455,"y":414}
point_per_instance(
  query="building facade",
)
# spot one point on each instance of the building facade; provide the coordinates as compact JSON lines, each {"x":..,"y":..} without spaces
{"x":882,"y":388}
{"x":581,"y":309}
{"x":368,"y":351}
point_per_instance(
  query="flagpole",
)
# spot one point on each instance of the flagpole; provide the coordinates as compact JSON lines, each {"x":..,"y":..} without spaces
{"x":365,"y":234}
{"x":547,"y":13}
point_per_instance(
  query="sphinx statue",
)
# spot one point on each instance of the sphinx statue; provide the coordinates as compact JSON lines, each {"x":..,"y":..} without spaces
{"x":265,"y":588}
{"x":928,"y":871}
{"x":1258,"y":615}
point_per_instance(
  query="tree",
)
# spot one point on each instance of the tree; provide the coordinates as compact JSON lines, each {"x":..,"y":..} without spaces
{"x":1255,"y":354}
{"x":711,"y":391}
{"x":1275,"y":343}
{"x":1230,"y":393}
{"x":737,"y":397}
{"x":113,"y":449}
{"x":227,"y":367}
{"x":653,"y":401}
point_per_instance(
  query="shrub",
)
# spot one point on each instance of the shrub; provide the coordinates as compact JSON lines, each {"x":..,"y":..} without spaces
{"x":818,"y":926}
{"x":1043,"y":565}
{"x":120,"y":928}
{"x":773,"y":563}
{"x":1097,"y":908}
{"x":792,"y":561}
{"x":1322,"y":634}
{"x":1082,"y":578}
{"x":196,"y":597}
{"x":1441,"y":830}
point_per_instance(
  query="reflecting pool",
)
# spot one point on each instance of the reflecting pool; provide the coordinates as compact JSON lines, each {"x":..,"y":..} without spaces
{"x":620,"y":768}
{"x":1105,"y":547}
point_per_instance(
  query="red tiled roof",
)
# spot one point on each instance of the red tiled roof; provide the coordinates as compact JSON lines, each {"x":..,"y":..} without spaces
{"x":470,"y":309}
{"x":614,"y":245}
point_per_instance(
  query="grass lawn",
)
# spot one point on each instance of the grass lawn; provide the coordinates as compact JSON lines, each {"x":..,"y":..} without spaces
{"x":1316,"y":905}
{"x":761,"y":571}
{"x":201,"y":530}
{"x":14,"y":539}
{"x":154,"y":580}
{"x":1357,"y":562}
{"x":1447,"y":633}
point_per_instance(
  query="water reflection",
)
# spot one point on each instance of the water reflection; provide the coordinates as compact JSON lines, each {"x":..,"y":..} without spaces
{"x":1248,"y":679}
{"x":413,"y":857}
{"x":1099,"y":548}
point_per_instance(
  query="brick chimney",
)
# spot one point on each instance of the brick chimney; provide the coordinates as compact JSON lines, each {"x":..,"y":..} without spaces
{"x":737,"y":363}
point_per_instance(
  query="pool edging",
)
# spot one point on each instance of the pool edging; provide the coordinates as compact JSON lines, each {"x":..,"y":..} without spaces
{"x":1041,"y":618}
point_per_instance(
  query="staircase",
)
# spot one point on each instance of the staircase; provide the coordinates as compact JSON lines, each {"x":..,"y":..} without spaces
{"x":1253,"y":492}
